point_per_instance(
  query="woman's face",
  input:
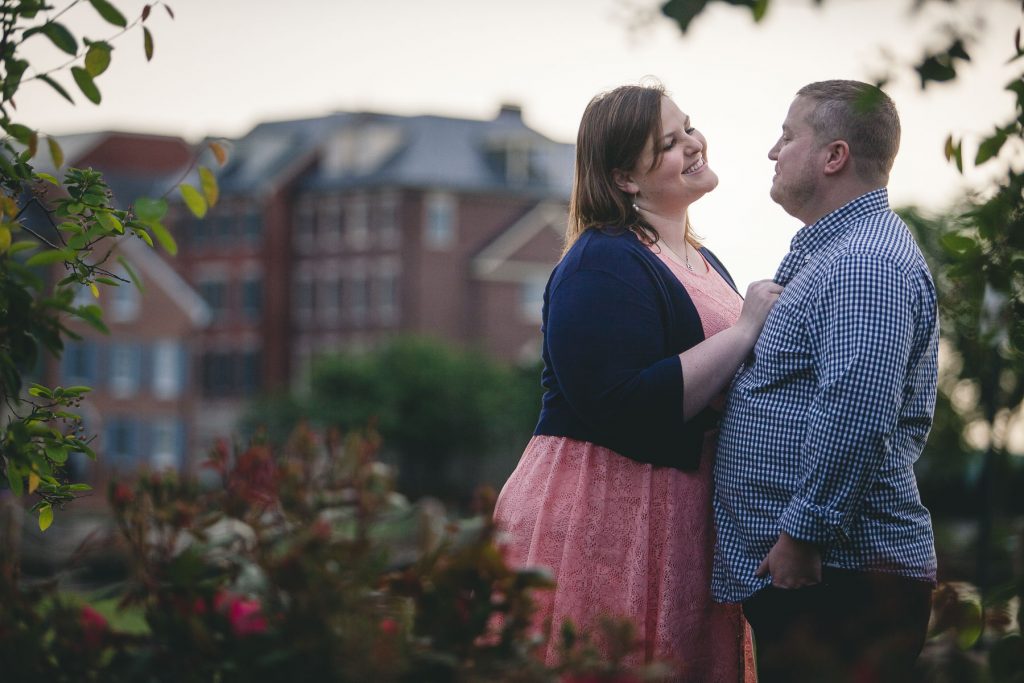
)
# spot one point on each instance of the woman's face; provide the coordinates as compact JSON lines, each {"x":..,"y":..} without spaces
{"x":682,"y":175}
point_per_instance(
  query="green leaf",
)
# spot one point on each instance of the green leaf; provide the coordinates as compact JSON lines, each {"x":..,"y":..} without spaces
{"x":193,"y":200}
{"x":958,"y":245}
{"x":93,"y":315}
{"x":209,"y":184}
{"x":759,"y":9}
{"x":45,"y":516}
{"x":97,"y":58}
{"x":79,"y":487}
{"x":131,"y":273}
{"x":77,"y":389}
{"x":109,"y":12}
{"x":15,"y":70}
{"x":990,"y":147}
{"x":57,"y":454}
{"x":60,"y":36}
{"x":22,"y":245}
{"x":45,"y":258}
{"x":48,"y":178}
{"x":56,"y":86}
{"x":19,"y":132}
{"x":150,"y":209}
{"x":163,"y":237}
{"x":934,"y":69}
{"x":147,"y":43}
{"x":683,"y":11}
{"x":56,"y":153}
{"x":85,"y":84}
{"x":144,"y":236}
{"x":110,"y":222}
{"x":14,"y":480}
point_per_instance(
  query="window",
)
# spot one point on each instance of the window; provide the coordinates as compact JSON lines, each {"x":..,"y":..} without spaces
{"x":83,"y":297}
{"x":358,"y":303}
{"x":386,"y":219}
{"x":166,"y":447}
{"x":122,"y":442}
{"x":252,"y":224}
{"x":385,"y":291}
{"x":357,"y":224}
{"x":440,"y":221}
{"x":125,"y":301}
{"x":252,"y":297}
{"x":305,"y":224}
{"x":218,"y":374}
{"x":531,"y":298}
{"x":303,"y":297}
{"x":214,"y":292}
{"x":251,"y":372}
{"x":168,"y":369}
{"x":330,"y":222}
{"x":125,"y":369}
{"x":78,"y":364}
{"x":330,"y":298}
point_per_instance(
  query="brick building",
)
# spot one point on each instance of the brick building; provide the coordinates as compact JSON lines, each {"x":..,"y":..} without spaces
{"x":144,"y":394}
{"x":333,"y":233}
{"x":339,"y":232}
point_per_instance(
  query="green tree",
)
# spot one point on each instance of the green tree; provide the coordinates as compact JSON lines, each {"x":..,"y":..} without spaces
{"x":440,"y":410}
{"x":79,"y":220}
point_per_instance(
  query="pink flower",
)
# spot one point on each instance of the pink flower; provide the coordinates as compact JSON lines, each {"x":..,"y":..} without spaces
{"x":94,"y":627}
{"x":245,"y":616}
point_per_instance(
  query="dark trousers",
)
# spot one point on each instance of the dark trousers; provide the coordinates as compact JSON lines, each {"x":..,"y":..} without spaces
{"x":853,"y":626}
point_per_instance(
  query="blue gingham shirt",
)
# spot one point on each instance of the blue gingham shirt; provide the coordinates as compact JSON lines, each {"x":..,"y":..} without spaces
{"x":824,"y":423}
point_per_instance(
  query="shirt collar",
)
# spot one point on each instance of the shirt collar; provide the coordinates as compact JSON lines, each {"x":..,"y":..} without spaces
{"x":812,"y":237}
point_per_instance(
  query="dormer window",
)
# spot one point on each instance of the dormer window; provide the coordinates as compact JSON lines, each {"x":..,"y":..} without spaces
{"x":358,"y":149}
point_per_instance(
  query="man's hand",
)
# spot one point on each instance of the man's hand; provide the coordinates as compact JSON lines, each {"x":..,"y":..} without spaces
{"x":792,"y":563}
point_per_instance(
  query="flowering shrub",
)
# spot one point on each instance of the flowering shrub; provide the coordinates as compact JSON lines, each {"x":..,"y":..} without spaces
{"x":291,"y":568}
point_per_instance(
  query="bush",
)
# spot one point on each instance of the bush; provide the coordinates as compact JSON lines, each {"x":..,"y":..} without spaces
{"x":287,"y":570}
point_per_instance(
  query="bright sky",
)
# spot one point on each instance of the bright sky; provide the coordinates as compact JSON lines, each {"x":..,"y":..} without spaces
{"x":222,"y":66}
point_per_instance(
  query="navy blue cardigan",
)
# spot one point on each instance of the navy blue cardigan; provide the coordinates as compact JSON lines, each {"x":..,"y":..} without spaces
{"x":615,"y":320}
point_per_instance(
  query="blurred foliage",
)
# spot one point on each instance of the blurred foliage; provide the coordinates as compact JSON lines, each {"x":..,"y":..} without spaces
{"x":437,"y":408}
{"x":279,"y":573}
{"x":79,"y":221}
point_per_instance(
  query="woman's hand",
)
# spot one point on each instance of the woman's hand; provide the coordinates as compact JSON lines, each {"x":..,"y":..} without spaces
{"x":761,"y":296}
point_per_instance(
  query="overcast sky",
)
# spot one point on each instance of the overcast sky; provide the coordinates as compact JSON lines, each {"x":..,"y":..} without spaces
{"x":222,"y":66}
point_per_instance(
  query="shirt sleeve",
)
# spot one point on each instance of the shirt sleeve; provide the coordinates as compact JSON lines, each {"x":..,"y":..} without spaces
{"x":606,"y":338}
{"x":860,"y":327}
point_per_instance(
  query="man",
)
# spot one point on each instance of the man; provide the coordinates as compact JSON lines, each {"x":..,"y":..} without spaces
{"x":821,"y":530}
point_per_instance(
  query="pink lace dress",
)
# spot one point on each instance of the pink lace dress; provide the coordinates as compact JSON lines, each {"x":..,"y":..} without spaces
{"x":625,"y":538}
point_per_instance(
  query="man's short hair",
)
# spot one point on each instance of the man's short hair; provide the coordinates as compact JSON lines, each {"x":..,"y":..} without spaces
{"x":863,"y":116}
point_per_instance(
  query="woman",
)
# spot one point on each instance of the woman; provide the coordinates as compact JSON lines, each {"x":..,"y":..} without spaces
{"x":643,"y":329}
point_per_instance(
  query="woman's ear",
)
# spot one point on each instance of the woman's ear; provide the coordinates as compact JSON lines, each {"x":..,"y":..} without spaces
{"x":624,"y":181}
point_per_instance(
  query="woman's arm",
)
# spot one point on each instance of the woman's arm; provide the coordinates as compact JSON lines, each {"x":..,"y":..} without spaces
{"x":708,"y":366}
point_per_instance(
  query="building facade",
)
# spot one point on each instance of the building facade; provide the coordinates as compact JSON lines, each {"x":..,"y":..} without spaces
{"x":338,"y":233}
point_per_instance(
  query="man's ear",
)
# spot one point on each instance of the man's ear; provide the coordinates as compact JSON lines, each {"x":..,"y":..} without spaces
{"x":838,"y":157}
{"x":624,"y":181}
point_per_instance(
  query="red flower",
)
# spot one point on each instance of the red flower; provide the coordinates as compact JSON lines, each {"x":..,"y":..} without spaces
{"x":121,"y":495}
{"x":94,"y":627}
{"x":388,"y":626}
{"x":245,"y":616}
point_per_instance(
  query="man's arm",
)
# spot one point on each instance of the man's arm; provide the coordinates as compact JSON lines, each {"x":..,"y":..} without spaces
{"x":861,"y":326}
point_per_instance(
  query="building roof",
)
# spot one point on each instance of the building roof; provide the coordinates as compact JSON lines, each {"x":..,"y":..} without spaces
{"x":153,"y":269}
{"x":346,"y":149}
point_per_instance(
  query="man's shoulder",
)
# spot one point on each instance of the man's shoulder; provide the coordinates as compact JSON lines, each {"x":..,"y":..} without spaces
{"x":881,"y":238}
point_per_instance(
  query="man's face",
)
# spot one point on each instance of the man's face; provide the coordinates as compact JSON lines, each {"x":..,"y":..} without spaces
{"x":798,"y":160}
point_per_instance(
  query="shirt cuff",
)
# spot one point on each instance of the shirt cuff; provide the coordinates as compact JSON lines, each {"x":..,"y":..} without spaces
{"x":814,"y":524}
